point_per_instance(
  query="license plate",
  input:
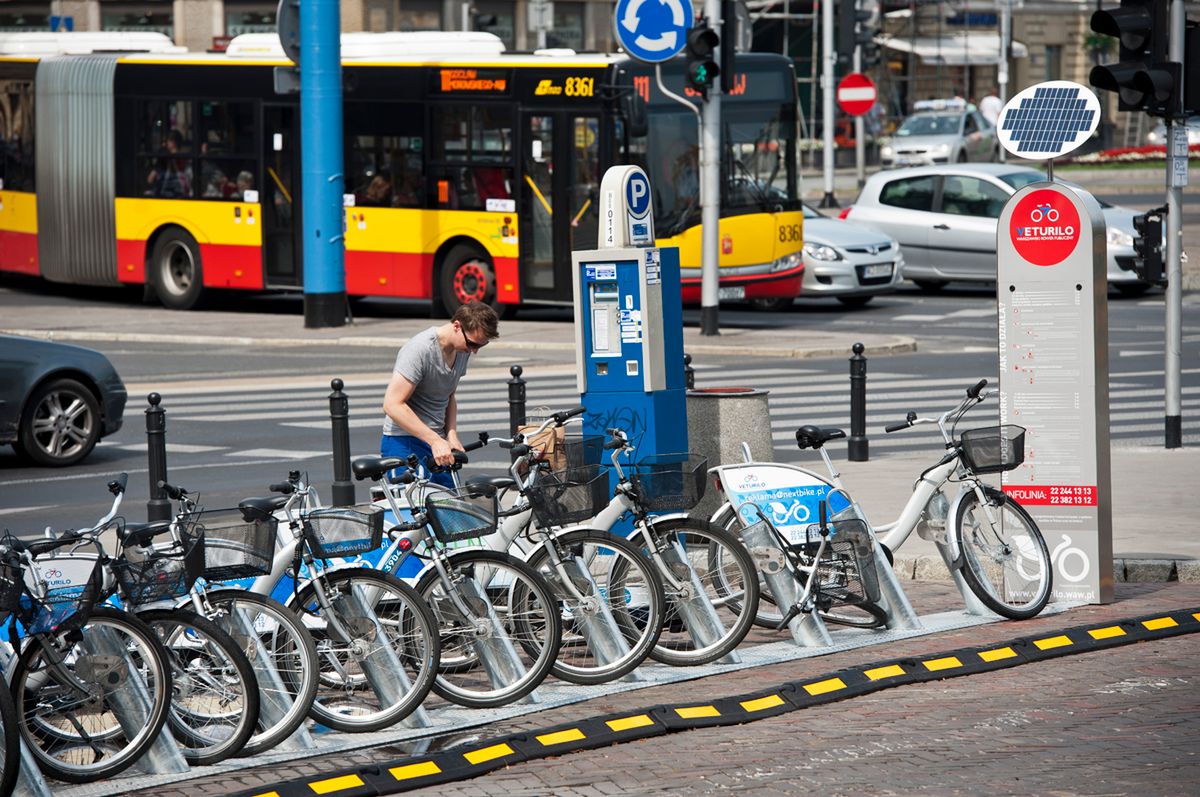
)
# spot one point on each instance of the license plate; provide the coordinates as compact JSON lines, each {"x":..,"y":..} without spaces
{"x":737,"y":292}
{"x":876,"y":271}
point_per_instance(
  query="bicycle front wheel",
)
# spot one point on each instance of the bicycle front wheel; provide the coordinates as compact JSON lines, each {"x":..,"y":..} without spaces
{"x":91,"y":701}
{"x":283,"y":655}
{"x":624,"y":585}
{"x":1004,"y":558}
{"x":378,"y":648}
{"x":703,"y":563}
{"x":214,"y":709}
{"x":10,"y":743}
{"x":499,"y":626}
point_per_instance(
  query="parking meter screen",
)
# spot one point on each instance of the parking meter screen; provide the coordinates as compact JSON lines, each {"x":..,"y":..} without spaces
{"x":1045,"y":228}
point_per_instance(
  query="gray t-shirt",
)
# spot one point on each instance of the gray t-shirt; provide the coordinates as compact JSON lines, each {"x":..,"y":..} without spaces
{"x":421,"y":362}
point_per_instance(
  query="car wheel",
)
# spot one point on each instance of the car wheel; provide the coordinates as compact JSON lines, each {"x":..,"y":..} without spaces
{"x":1132,"y":288}
{"x":177,"y":271}
{"x":60,"y":425}
{"x":467,"y":275}
{"x":855,"y":301}
{"x":774,"y":304}
{"x":962,"y":157}
{"x":933,"y":286}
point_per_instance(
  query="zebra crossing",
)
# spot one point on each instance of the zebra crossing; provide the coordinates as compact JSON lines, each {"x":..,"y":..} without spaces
{"x":797,"y":396}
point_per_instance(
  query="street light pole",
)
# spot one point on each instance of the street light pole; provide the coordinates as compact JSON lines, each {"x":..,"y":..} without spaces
{"x":828,"y":62}
{"x":710,"y":189}
{"x":1174,"y":243}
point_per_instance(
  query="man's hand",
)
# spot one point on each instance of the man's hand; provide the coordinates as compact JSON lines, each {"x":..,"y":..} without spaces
{"x":455,"y":443}
{"x":442,"y":452}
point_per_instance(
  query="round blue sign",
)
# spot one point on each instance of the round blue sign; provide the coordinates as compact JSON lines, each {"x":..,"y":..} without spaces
{"x":653,"y":30}
{"x":637,"y":194}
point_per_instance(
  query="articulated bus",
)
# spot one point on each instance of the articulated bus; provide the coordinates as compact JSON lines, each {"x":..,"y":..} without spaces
{"x":471,"y":173}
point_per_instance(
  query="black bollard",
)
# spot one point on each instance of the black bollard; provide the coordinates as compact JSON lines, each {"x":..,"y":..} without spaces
{"x":339,"y":421}
{"x":689,"y":373}
{"x":516,"y":401}
{"x":858,"y":448}
{"x":159,"y":506}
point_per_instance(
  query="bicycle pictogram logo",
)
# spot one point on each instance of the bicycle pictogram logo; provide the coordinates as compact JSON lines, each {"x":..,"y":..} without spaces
{"x":1043,"y":211}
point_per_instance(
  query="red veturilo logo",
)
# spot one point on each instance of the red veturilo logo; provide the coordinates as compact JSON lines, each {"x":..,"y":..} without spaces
{"x":1044,"y":228}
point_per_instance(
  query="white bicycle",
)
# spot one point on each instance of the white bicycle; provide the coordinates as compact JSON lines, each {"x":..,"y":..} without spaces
{"x":984,"y":534}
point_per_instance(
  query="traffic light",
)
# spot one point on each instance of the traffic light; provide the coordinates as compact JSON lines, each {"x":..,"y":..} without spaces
{"x":702,"y":69}
{"x":1144,"y":79}
{"x":1147,"y":245}
{"x":482,"y":22}
{"x":853,"y":30}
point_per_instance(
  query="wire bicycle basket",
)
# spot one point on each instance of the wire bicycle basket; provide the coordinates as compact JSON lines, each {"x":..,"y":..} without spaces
{"x":147,"y":575}
{"x":334,"y":532}
{"x":572,"y":495}
{"x":235,"y":547}
{"x":670,"y":482}
{"x":845,"y":572}
{"x":61,"y":592}
{"x":12,"y":585}
{"x":993,"y":449}
{"x":464,"y":513}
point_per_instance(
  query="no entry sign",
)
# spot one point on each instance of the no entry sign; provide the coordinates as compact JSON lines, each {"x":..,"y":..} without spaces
{"x":856,"y":94}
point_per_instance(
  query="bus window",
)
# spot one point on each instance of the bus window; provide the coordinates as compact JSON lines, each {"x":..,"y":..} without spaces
{"x":16,"y":125}
{"x":226,"y":131}
{"x":166,"y":148}
{"x":472,"y":156}
{"x":385,"y":145}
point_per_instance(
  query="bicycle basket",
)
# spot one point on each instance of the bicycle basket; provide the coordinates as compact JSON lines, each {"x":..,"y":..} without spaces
{"x":164,"y":571}
{"x":670,"y":481}
{"x":461,"y":514}
{"x":993,"y":449}
{"x":72,"y":585}
{"x":235,"y":547}
{"x":846,"y":571}
{"x":333,"y":532}
{"x":568,"y":496}
{"x":12,"y":584}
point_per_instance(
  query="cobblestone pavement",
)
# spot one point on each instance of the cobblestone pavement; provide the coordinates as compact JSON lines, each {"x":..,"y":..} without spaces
{"x":1115,"y":722}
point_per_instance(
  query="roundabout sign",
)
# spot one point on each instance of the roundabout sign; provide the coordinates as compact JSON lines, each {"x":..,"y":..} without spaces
{"x":653,"y":30}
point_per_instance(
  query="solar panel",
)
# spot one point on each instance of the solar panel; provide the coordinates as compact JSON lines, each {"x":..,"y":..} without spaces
{"x":1048,"y":120}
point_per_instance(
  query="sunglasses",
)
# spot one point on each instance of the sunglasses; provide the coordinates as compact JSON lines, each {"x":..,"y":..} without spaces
{"x":472,"y":346}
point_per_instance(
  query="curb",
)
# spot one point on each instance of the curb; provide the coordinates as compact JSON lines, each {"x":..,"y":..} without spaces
{"x":1125,"y":570}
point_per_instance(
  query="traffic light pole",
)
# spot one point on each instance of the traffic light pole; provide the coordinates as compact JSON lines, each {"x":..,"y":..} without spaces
{"x":1174,"y":248}
{"x":710,"y":191}
{"x":860,"y":146}
{"x":828,"y":64}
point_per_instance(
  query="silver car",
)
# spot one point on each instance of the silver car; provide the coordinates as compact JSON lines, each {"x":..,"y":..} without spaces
{"x":945,"y":220}
{"x":955,"y":136}
{"x":847,"y":261}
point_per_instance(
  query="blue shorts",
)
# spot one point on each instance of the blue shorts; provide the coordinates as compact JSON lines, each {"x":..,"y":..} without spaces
{"x":404,"y":445}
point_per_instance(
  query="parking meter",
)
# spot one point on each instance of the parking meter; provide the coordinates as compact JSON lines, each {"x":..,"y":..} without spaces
{"x":629,"y":323}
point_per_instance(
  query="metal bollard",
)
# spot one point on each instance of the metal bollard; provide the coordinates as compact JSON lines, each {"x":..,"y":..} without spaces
{"x":516,"y":401}
{"x":339,"y":421}
{"x":159,"y":506}
{"x":689,"y":373}
{"x":858,"y":448}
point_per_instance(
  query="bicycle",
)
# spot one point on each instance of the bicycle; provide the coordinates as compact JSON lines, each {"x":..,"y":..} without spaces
{"x":500,"y":633}
{"x":11,"y":587}
{"x":91,"y":684}
{"x":376,"y":639}
{"x":984,"y":533}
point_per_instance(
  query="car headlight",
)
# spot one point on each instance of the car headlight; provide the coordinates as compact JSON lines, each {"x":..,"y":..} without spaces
{"x":788,"y":262}
{"x":1118,"y":237}
{"x":941,"y":149}
{"x":885,"y":151}
{"x":821,"y":252}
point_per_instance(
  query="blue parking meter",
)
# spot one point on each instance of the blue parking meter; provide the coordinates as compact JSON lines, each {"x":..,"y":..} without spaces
{"x":629,"y":323}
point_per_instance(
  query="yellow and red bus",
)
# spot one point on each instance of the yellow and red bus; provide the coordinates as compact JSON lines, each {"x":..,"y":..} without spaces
{"x":471,"y":173}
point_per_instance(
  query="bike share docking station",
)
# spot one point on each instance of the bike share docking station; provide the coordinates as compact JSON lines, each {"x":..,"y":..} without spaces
{"x":629,"y":349}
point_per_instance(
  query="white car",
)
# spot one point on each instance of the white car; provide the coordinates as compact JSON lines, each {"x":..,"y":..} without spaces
{"x":846,"y":261}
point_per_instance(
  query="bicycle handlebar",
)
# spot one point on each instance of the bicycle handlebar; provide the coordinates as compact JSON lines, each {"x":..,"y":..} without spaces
{"x":284,"y":488}
{"x":896,"y":427}
{"x":562,"y":417}
{"x":973,"y":392}
{"x":173,"y":492}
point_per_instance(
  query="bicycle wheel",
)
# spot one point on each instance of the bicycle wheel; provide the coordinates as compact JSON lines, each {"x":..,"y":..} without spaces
{"x":283,"y":655}
{"x":627,"y":587}
{"x":91,"y":701}
{"x":10,"y":743}
{"x":768,"y":614}
{"x":509,"y":639}
{"x":214,"y":707}
{"x":1005,"y":563}
{"x":726,"y":576}
{"x":383,"y":667}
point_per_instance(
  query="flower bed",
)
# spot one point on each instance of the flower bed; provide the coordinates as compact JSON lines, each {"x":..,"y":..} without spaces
{"x":1147,"y":154}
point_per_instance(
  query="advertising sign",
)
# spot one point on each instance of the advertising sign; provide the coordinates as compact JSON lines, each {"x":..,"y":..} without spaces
{"x":789,"y":497}
{"x":1053,"y":352}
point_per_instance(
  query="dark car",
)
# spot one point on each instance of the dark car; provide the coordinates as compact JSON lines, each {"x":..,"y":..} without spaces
{"x":56,"y":400}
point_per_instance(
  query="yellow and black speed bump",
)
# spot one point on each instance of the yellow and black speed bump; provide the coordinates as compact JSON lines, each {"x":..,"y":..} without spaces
{"x":474,"y":759}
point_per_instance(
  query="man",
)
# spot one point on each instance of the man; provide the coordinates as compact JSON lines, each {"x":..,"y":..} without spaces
{"x":990,"y":106}
{"x":420,"y":406}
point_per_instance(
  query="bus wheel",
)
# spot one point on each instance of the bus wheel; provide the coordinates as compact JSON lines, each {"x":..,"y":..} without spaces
{"x":176,"y":270}
{"x":467,"y":276}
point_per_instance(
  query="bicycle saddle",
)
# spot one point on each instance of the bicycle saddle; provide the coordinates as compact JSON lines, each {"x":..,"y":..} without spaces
{"x":374,"y":467}
{"x":262,"y":508}
{"x":496,"y":482}
{"x":142,"y":533}
{"x":815,"y":436}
